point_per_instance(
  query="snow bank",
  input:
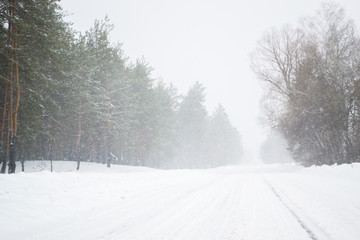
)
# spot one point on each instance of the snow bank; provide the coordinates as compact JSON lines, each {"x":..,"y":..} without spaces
{"x":70,"y":166}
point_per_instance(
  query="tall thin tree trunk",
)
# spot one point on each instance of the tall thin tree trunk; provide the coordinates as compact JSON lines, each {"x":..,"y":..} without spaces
{"x":11,"y":137}
{"x":14,"y":83}
{"x":8,"y":135}
{"x":22,"y":159}
{"x":3,"y":120}
{"x":108,"y":140}
{"x":8,"y":103}
{"x":78,"y":141}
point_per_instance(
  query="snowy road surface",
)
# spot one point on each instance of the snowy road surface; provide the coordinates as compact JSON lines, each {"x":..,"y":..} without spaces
{"x":260,"y":202}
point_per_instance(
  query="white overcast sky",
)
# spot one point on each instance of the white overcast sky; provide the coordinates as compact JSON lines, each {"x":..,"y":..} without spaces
{"x":201,"y":40}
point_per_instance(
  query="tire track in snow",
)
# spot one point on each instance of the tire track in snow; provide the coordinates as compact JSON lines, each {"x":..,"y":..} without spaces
{"x":298,"y":219}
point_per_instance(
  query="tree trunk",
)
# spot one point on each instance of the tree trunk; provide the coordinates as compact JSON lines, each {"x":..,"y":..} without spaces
{"x":12,"y":165}
{"x":3,"y":129}
{"x":4,"y":162}
{"x":13,"y":83}
{"x":22,"y":164}
{"x":108,"y":140}
{"x":108,"y":153}
{"x":3,"y":119}
{"x":78,"y":140}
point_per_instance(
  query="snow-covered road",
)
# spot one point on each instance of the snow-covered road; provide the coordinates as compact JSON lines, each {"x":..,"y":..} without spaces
{"x":261,"y":202}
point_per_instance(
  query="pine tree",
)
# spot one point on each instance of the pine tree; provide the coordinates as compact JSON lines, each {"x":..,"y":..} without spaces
{"x":191,"y":127}
{"x":223,"y":140}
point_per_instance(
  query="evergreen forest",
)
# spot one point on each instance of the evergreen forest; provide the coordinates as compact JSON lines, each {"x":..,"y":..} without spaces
{"x":66,"y":95}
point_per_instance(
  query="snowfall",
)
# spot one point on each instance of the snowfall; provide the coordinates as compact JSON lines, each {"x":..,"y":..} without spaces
{"x":238,"y":202}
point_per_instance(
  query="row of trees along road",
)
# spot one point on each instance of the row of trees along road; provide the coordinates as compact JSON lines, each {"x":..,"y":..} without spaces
{"x":72,"y":96}
{"x":312,"y":74}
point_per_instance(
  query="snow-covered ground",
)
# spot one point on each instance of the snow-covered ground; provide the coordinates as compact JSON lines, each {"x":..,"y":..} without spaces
{"x":242,"y":202}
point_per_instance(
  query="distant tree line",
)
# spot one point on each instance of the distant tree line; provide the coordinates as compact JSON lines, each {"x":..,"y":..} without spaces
{"x":71,"y":96}
{"x":312,"y":74}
